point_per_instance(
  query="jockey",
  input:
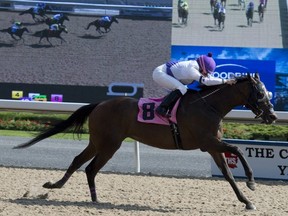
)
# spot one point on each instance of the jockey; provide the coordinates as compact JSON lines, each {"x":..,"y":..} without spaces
{"x":54,"y":27}
{"x":250,"y":6}
{"x":16,"y":25}
{"x":39,"y":7}
{"x":57,"y":17}
{"x":183,"y":4}
{"x":106,"y":18}
{"x":222,"y":9}
{"x":218,"y":5}
{"x":175,"y":76}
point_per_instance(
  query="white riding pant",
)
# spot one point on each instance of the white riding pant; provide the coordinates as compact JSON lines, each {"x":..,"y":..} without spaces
{"x":166,"y":81}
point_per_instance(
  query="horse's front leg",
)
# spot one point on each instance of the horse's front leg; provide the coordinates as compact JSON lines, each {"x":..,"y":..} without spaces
{"x":225,"y":147}
{"x":13,"y":37}
{"x":47,"y":38}
{"x":62,"y":39}
{"x":222,"y":164}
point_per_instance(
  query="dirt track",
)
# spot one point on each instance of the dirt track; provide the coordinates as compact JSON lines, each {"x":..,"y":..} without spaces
{"x":128,"y":53}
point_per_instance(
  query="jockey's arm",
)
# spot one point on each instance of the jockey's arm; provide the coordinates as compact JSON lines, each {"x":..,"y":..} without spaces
{"x":211,"y":80}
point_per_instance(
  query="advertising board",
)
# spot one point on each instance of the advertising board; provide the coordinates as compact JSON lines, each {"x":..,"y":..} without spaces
{"x":268,"y":159}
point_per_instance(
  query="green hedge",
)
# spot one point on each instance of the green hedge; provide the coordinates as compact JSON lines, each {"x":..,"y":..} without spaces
{"x":37,"y":122}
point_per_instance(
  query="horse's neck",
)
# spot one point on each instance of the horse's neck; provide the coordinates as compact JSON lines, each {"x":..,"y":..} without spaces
{"x":221,"y":99}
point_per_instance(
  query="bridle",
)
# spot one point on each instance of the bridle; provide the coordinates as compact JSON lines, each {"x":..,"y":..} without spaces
{"x":259,"y":98}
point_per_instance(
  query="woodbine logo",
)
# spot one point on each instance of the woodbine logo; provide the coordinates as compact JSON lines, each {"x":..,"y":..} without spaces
{"x":228,"y":71}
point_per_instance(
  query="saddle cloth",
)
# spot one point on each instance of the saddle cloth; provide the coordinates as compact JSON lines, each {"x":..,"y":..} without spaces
{"x":147,"y":114}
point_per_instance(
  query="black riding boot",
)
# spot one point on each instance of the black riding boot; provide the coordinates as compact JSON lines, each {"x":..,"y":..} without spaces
{"x":168,"y":103}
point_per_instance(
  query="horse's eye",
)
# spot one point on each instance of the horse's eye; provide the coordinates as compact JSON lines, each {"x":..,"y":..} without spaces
{"x":260,"y":95}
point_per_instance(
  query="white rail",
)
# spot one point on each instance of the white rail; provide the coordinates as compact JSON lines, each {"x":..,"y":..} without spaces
{"x":64,"y":107}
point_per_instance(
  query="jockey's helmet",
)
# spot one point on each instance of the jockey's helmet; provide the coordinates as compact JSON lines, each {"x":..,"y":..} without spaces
{"x":206,"y":63}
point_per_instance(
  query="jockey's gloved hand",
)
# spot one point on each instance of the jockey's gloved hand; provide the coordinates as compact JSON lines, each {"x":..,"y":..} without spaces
{"x":230,"y":81}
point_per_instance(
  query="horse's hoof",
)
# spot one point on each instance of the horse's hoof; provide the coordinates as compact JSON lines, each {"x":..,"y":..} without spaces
{"x":250,"y":206}
{"x":251,"y":185}
{"x":48,"y":185}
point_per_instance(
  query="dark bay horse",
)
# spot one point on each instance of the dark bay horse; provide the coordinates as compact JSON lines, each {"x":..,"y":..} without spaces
{"x":199,"y":117}
{"x":221,"y":20}
{"x":37,"y":11}
{"x":212,"y":5}
{"x":216,"y":14}
{"x":183,"y":12}
{"x":18,"y":32}
{"x":249,"y":16}
{"x":261,"y":9}
{"x":47,"y":33}
{"x":99,"y":23}
{"x":50,"y":21}
{"x":223,"y":2}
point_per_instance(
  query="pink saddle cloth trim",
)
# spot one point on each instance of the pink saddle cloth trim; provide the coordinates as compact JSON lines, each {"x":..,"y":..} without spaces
{"x":151,"y":116}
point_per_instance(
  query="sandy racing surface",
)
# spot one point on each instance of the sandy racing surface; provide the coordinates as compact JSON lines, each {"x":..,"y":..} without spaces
{"x":22,"y":194}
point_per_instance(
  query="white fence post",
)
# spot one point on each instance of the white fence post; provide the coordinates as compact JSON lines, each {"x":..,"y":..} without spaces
{"x":137,"y":156}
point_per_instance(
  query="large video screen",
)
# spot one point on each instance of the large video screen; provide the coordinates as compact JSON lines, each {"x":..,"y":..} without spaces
{"x":239,"y":45}
{"x":128,"y":53}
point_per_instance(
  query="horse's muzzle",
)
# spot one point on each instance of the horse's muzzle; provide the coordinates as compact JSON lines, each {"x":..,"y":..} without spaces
{"x":269,"y":118}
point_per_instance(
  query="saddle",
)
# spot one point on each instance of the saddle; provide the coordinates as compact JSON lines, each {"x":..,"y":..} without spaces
{"x":147,"y":114}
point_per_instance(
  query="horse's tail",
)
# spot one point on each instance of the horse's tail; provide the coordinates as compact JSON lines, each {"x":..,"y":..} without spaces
{"x":4,"y":30}
{"x":25,"y":12}
{"x":88,"y":26}
{"x":76,"y":121}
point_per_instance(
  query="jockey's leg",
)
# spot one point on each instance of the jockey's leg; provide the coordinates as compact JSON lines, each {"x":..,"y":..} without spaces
{"x":168,"y":102}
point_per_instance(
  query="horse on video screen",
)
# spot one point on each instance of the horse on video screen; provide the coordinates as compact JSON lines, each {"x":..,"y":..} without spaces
{"x":261,"y":9}
{"x":223,"y":2}
{"x":199,"y":117}
{"x":35,"y":11}
{"x":17,"y":32}
{"x":216,"y":13}
{"x":48,"y":33}
{"x":221,"y":20}
{"x":50,"y":21}
{"x":249,"y":16}
{"x":103,"y":23}
{"x":241,"y":4}
{"x":183,"y":11}
{"x":212,"y":5}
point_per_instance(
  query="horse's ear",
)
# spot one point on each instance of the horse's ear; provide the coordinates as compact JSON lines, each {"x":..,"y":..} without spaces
{"x":257,"y":76}
{"x":248,"y":75}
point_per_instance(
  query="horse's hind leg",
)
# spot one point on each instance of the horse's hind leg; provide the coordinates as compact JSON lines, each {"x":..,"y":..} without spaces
{"x":87,"y":154}
{"x":102,"y":157}
{"x":221,"y":163}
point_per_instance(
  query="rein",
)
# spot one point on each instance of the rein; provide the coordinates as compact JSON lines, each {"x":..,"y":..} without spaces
{"x":205,"y":101}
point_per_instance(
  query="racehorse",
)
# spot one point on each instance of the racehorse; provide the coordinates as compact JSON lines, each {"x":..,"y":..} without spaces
{"x":216,"y":14}
{"x":18,"y":32}
{"x":37,"y":11}
{"x":241,"y":4}
{"x":102,"y":24}
{"x":50,"y":21}
{"x":249,"y":16}
{"x":47,"y":33}
{"x":183,"y":12}
{"x":223,"y":2}
{"x":261,"y":8}
{"x":221,"y":20}
{"x":212,"y":5}
{"x":199,"y":117}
